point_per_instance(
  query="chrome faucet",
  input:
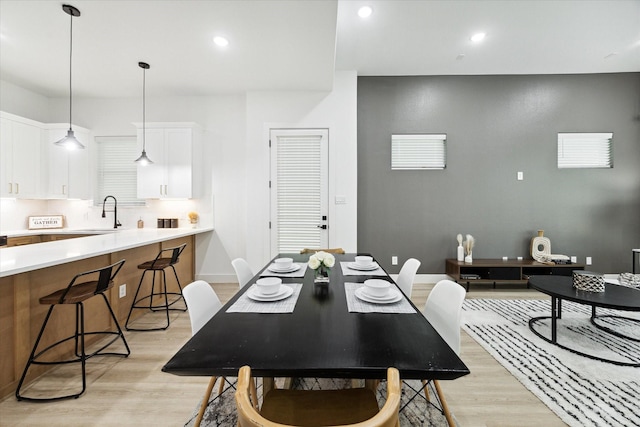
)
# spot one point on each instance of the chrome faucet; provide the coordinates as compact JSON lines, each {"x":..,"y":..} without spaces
{"x":116,"y":223}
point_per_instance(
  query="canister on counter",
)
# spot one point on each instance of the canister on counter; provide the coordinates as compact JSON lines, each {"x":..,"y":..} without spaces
{"x":167,"y":223}
{"x":160,"y":223}
{"x":174,"y":222}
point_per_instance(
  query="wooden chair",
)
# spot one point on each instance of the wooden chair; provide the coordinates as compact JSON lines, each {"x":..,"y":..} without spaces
{"x":331,"y":251}
{"x":76,"y":293}
{"x":355,"y":407}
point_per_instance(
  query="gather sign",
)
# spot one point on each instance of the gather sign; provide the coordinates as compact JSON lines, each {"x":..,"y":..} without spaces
{"x":46,"y":221}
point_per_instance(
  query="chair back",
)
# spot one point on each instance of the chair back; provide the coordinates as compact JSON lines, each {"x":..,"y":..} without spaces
{"x":339,"y":251}
{"x":175,"y":255}
{"x":407,"y":276}
{"x":444,"y":311}
{"x":105,"y":279}
{"x":248,"y":408}
{"x":202,"y":302}
{"x":243,"y":271}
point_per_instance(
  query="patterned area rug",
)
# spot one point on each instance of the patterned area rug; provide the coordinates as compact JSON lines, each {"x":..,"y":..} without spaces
{"x":581,"y":391}
{"x":221,"y":410}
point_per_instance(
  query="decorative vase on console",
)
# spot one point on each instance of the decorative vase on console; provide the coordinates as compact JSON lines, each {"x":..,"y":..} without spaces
{"x":460,"y":248}
{"x":468,"y":248}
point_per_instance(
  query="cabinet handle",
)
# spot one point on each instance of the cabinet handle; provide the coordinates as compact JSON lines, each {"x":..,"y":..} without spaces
{"x":10,"y":188}
{"x":165,"y":189}
{"x":17,"y":188}
{"x":64,"y":189}
{"x":161,"y":189}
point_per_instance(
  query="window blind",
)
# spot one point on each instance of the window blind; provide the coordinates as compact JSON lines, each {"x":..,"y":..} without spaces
{"x":298,"y":191}
{"x":585,"y":150}
{"x":409,"y":152}
{"x":117,"y":172}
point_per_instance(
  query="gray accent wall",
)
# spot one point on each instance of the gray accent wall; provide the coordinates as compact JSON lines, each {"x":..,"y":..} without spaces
{"x":497,"y":126}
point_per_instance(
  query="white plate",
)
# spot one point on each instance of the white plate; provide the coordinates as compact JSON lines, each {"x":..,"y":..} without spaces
{"x":354,"y":266}
{"x":284,"y":292}
{"x":393,"y":296}
{"x":274,"y":269}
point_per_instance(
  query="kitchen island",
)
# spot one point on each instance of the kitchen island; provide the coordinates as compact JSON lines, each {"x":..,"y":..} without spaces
{"x":30,"y":272}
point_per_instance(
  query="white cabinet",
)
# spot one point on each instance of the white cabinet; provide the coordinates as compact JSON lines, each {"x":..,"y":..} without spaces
{"x":21,"y":157}
{"x":69,"y":174}
{"x":175,"y":149}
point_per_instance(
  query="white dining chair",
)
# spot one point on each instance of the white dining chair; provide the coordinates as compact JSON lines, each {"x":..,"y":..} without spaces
{"x":444,"y":311}
{"x":202,"y":303}
{"x":243,"y":271}
{"x":407,"y":275}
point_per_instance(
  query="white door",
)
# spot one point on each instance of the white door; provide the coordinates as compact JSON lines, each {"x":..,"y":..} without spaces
{"x":299,"y":189}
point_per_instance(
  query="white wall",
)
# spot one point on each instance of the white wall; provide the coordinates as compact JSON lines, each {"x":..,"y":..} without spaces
{"x":235,"y":161}
{"x":337,"y":112}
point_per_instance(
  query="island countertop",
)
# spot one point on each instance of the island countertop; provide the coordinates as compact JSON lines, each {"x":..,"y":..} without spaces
{"x":20,"y":259}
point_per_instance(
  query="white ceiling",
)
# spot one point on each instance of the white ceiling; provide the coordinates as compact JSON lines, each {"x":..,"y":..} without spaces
{"x":297,"y":45}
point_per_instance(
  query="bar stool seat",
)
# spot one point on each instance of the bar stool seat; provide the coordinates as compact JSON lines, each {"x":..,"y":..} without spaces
{"x":159,"y":264}
{"x":77,"y":294}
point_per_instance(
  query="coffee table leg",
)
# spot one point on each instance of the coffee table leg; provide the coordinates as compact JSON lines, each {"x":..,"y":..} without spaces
{"x":559,"y":308}
{"x":554,"y":315}
{"x":593,"y":311}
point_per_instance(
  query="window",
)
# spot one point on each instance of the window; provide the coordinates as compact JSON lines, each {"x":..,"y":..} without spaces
{"x":584,"y":150}
{"x":117,"y":172}
{"x":409,"y":152}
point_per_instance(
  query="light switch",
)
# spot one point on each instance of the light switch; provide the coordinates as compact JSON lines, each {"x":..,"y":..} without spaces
{"x":341,"y":200}
{"x":520,"y":176}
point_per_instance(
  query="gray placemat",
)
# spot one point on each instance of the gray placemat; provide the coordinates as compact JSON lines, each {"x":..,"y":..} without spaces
{"x":356,"y":305}
{"x":346,"y":271}
{"x":298,"y":273}
{"x":244,"y":304}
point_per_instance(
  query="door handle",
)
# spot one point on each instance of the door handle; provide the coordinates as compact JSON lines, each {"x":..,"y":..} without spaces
{"x":323,"y":226}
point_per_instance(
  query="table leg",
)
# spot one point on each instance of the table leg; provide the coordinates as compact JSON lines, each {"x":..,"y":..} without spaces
{"x":593,"y":311}
{"x":555,"y":306}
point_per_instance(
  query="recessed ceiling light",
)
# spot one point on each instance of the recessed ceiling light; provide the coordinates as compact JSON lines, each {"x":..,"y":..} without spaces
{"x":365,"y":11}
{"x":221,"y":41}
{"x":478,"y":37}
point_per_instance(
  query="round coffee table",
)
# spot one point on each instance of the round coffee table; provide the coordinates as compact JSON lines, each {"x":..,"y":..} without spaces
{"x":561,"y":288}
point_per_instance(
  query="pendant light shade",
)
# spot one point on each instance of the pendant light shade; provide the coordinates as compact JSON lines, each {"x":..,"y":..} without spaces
{"x":143,"y":160}
{"x":70,"y":142}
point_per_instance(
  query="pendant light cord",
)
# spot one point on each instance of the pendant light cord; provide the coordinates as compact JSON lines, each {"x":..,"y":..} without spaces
{"x":70,"y":67}
{"x":144,"y":103}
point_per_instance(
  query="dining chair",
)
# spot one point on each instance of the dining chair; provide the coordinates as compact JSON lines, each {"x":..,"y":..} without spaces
{"x":444,"y":311}
{"x":330,"y":250}
{"x":345,"y":407}
{"x":203,"y":303}
{"x":243,"y":271}
{"x":407,"y":275}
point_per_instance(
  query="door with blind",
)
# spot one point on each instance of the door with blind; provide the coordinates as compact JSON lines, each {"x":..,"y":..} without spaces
{"x":299,"y":189}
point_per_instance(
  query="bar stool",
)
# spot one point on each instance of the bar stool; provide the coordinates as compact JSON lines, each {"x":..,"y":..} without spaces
{"x":159,"y":264}
{"x":77,"y":294}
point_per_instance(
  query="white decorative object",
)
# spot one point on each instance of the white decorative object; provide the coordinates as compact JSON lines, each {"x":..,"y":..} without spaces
{"x":460,"y":248}
{"x":46,"y":221}
{"x":468,"y":248}
{"x":588,"y":281}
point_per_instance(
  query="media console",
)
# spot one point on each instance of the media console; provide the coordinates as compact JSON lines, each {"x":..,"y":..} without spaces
{"x":497,"y":271}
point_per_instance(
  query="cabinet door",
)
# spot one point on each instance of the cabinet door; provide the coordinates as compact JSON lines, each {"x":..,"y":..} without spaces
{"x":69,"y":170}
{"x":6,"y":156}
{"x":27,"y":143}
{"x":178,"y":149}
{"x":151,"y":178}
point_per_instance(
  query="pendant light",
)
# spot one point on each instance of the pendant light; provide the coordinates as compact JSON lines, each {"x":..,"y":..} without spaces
{"x":143,"y":160}
{"x":70,"y":142}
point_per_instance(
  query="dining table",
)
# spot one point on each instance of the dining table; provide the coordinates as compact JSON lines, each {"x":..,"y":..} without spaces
{"x":318,"y":330}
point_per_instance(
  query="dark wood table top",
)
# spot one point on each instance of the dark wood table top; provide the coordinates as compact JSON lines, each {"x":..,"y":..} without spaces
{"x":321,"y":338}
{"x":614,"y":296}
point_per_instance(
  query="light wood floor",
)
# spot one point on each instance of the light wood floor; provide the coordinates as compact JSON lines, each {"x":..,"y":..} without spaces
{"x":134,"y":391}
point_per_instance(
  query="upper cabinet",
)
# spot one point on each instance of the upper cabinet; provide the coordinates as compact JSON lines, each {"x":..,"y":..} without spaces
{"x":20,"y":157}
{"x":175,"y":150}
{"x":69,"y":174}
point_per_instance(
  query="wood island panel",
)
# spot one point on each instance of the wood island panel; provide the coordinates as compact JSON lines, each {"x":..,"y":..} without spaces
{"x":21,"y":314}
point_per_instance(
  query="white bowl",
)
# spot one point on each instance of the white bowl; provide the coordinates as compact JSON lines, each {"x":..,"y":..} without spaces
{"x":268,"y":285}
{"x":364,"y":260}
{"x":283,"y":263}
{"x":377,"y":287}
